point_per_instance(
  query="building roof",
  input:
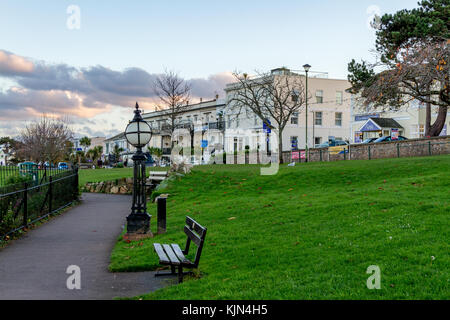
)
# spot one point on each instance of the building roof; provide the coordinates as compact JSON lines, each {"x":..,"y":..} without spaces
{"x":116,"y":137}
{"x":387,"y":123}
{"x":188,"y":108}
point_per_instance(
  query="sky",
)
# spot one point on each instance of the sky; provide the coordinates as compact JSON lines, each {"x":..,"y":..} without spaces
{"x":92,"y":67}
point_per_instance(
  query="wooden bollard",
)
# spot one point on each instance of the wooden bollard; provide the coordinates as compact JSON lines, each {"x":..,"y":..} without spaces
{"x":162,"y":213}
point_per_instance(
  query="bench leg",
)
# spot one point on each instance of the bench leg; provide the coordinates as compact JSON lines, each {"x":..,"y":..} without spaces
{"x":163,"y":274}
{"x":180,"y":274}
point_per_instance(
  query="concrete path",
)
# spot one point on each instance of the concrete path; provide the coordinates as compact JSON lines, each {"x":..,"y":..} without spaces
{"x":34,"y":267}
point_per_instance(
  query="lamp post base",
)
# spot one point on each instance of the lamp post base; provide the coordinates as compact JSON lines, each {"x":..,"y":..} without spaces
{"x":138,"y":227}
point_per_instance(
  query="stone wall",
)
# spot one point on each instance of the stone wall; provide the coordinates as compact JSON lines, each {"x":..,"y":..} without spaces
{"x":119,"y":186}
{"x":408,"y":148}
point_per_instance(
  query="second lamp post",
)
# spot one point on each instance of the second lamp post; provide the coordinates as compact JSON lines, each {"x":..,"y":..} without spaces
{"x":138,"y":133}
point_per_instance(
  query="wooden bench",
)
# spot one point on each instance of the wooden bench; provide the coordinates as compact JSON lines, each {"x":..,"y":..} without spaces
{"x":155,"y":177}
{"x":173,"y":256}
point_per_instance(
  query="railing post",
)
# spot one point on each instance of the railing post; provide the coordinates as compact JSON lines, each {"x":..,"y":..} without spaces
{"x":25,"y":204}
{"x":320,"y":155}
{"x":50,"y":194}
{"x":398,"y":150}
{"x":76,"y":184}
{"x":162,"y":214}
{"x":429,"y":148}
{"x":370,"y":157}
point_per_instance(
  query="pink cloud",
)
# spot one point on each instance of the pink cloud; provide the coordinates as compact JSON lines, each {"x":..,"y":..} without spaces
{"x":13,"y":64}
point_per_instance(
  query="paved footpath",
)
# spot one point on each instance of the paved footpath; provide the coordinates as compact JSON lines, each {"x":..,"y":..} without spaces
{"x":34,"y":267}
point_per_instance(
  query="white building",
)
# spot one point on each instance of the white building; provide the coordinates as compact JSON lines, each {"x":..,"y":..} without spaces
{"x":328,"y":116}
{"x":199,"y":124}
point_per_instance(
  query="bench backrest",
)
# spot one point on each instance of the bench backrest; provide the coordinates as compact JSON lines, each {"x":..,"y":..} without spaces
{"x":158,"y":173}
{"x":195,"y":233}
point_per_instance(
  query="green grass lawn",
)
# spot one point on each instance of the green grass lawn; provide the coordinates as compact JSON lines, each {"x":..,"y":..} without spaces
{"x":98,"y":175}
{"x":309,"y":232}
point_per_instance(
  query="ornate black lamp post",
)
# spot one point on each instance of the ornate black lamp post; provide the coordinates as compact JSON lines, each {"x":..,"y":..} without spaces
{"x":138,"y":133}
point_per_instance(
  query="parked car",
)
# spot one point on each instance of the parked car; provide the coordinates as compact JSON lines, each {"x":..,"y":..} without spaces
{"x":388,"y":139}
{"x":63,"y":166}
{"x":337,"y":143}
{"x":369,"y":140}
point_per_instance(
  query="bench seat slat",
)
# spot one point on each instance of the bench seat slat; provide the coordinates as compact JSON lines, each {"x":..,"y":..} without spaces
{"x":163,"y":259}
{"x":176,"y":248}
{"x":172,"y":256}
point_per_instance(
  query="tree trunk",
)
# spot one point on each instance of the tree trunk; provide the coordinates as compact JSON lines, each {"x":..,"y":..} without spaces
{"x":428,"y":120}
{"x":280,"y":146}
{"x":438,"y":125}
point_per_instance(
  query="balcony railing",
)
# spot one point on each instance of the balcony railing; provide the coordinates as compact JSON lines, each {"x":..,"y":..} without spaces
{"x":220,"y":125}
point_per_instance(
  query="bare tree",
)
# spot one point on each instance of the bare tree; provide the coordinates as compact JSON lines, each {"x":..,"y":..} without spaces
{"x":45,"y":140}
{"x":270,"y":97}
{"x":174,"y":94}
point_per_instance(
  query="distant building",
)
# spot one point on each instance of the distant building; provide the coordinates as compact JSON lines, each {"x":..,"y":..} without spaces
{"x":95,"y":142}
{"x":409,"y":120}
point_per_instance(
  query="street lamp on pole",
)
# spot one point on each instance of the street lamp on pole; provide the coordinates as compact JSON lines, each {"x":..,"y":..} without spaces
{"x":138,"y":133}
{"x":307,"y":67}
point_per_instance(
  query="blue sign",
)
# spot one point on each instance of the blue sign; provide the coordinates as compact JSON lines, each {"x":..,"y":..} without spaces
{"x":204,"y":143}
{"x":366,"y":117}
{"x":370,"y":126}
{"x":79,"y":149}
{"x":266,"y":128}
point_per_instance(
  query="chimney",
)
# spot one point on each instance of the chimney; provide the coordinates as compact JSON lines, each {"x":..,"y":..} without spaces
{"x":217,"y":97}
{"x":201,"y":100}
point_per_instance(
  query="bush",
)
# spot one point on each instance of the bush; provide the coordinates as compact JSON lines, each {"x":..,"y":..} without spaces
{"x":119,"y":165}
{"x":18,"y":180}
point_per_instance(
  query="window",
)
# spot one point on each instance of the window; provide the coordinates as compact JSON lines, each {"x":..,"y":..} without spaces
{"x":195,"y":118}
{"x":317,"y":140}
{"x":338,"y":120}
{"x":421,"y":130}
{"x":295,"y":95}
{"x":319,"y":96}
{"x":294,"y":118}
{"x":318,"y":118}
{"x":339,"y":97}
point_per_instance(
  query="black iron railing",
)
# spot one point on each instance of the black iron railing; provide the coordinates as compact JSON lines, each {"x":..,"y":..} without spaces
{"x":8,"y":173}
{"x":26,"y":203}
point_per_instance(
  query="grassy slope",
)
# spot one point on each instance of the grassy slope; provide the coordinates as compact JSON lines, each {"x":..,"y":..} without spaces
{"x":98,"y":175}
{"x":311,"y":231}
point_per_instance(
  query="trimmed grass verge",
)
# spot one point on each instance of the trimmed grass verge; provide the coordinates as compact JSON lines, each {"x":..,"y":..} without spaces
{"x":310,"y":232}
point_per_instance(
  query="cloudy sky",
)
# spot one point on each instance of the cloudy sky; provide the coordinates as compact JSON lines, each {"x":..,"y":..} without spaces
{"x":94,"y":74}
